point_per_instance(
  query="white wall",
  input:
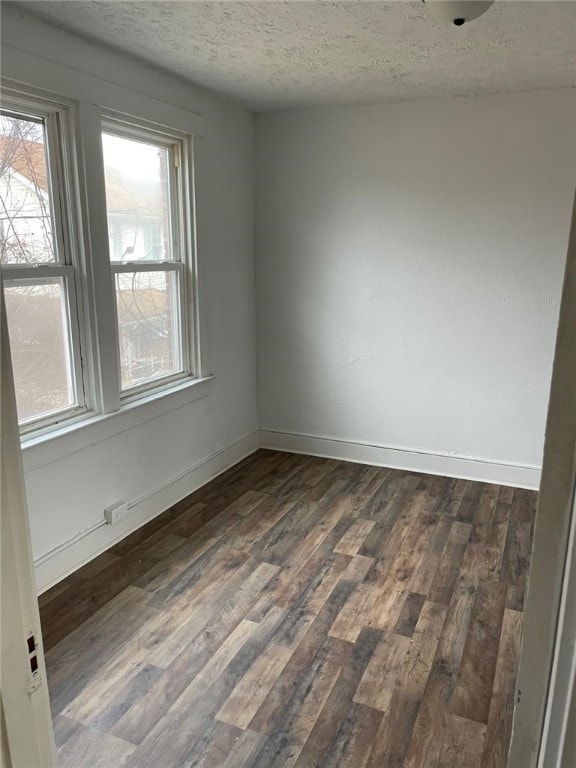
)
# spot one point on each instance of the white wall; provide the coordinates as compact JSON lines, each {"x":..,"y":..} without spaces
{"x":409,"y":267}
{"x":72,"y":479}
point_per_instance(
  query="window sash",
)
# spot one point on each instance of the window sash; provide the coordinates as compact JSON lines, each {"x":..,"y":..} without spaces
{"x":178,"y":151}
{"x":75,"y":172}
{"x":178,"y":179}
{"x":30,"y":276}
{"x":53,"y":119}
{"x":159,"y":382}
{"x":63,"y":216}
{"x":146,"y":266}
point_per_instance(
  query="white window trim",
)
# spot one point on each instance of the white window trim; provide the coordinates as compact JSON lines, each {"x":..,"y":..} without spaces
{"x":58,"y":120}
{"x":104,"y":412}
{"x":182,"y":212}
{"x":44,"y":447}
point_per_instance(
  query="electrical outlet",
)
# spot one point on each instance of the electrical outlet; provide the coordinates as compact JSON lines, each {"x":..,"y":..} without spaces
{"x":116,"y":512}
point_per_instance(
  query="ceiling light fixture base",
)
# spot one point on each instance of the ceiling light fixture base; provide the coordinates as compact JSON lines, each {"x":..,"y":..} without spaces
{"x":457,"y":12}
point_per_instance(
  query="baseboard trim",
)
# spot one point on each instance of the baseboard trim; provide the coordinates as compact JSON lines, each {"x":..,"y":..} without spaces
{"x":395,"y":458}
{"x":55,"y":565}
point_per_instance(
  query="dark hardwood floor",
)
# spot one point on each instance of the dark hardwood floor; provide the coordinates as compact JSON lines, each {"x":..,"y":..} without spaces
{"x":302,"y":612}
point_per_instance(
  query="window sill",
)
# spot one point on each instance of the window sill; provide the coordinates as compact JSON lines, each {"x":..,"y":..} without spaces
{"x":40,"y":450}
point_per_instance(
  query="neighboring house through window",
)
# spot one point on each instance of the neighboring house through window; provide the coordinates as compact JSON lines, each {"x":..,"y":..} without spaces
{"x":39,"y":276}
{"x":144,"y":189}
{"x":147,"y":187}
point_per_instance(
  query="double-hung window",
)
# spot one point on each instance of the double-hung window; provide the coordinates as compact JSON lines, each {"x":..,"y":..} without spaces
{"x":145,"y":175}
{"x":37,"y":254}
{"x":69,"y":358}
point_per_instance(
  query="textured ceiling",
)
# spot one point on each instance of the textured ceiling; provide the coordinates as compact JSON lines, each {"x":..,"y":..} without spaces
{"x":274,"y":54}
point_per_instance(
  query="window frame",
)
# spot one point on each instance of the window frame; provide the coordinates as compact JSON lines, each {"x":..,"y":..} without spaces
{"x":80,"y":232}
{"x":57,"y":118}
{"x":183,"y":264}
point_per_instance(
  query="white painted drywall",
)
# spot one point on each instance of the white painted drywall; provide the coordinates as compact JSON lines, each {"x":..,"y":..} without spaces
{"x":67,"y":492}
{"x":409,"y":268}
{"x":410,"y":261}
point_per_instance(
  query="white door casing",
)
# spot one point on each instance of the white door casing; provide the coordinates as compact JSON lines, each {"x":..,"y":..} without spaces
{"x":29,"y":737}
{"x":548,"y":589}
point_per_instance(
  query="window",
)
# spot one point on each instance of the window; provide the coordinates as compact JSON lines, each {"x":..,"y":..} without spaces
{"x":147,"y":245}
{"x":96,"y":258}
{"x":36,"y":253}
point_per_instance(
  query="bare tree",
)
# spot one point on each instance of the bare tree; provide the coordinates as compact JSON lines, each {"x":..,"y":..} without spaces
{"x":34,"y":306}
{"x":26,"y":231}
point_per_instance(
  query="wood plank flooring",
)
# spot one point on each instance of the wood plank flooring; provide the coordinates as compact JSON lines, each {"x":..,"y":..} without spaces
{"x":298,"y":612}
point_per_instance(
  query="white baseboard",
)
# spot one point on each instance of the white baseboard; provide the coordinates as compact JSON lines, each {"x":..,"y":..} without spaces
{"x":395,"y":458}
{"x":55,"y":565}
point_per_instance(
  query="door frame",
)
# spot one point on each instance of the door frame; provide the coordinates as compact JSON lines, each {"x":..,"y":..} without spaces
{"x":28,"y":736}
{"x":561,"y":692}
{"x":548,"y":587}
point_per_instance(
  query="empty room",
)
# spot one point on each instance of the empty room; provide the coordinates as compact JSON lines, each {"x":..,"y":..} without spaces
{"x":288,"y":434}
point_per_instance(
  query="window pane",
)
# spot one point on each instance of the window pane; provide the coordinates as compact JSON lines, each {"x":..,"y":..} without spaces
{"x":137,"y":198}
{"x":25,"y":223}
{"x":39,"y":342}
{"x":148,"y":326}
